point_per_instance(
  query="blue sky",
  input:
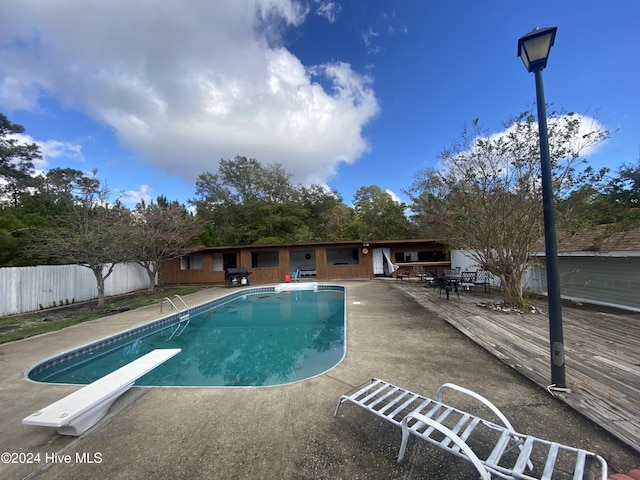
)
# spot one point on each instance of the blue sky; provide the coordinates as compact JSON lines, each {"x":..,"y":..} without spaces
{"x":346,"y":93}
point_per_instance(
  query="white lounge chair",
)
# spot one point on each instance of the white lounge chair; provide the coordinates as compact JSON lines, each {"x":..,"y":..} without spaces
{"x":463,"y":434}
{"x":79,"y":411}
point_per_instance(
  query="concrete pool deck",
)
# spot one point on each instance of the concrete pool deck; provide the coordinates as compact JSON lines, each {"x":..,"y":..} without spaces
{"x":285,"y":432}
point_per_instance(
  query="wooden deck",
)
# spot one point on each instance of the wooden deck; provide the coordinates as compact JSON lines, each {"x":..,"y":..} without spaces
{"x":602,"y":352}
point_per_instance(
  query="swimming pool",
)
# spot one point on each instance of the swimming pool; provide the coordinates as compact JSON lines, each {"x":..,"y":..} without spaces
{"x":254,"y":337}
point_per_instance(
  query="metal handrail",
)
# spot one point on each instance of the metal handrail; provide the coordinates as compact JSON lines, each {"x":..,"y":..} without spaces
{"x":168,"y":300}
{"x":182,"y":316}
{"x":183,"y":302}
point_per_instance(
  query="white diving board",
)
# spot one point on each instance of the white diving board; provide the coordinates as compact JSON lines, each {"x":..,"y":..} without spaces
{"x":79,"y":411}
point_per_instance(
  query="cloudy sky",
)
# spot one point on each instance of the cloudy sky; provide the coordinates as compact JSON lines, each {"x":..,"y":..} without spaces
{"x":345,"y":93}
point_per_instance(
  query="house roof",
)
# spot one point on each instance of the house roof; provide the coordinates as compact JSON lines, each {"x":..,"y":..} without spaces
{"x":601,"y":239}
{"x":371,"y":243}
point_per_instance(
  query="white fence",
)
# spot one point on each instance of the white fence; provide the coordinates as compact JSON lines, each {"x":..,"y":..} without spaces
{"x":26,"y":289}
{"x":461,"y":258}
{"x":532,"y":277}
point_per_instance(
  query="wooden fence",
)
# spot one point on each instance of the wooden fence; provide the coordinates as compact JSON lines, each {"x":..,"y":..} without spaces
{"x":27,"y":289}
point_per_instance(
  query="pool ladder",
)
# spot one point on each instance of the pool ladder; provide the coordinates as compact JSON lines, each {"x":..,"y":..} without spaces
{"x":183,"y":316}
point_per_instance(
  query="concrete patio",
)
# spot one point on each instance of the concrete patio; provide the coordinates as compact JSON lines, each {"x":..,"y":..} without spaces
{"x":285,"y":432}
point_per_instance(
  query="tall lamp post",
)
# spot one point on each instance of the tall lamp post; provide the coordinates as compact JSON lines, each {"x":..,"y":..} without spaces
{"x":533,"y":49}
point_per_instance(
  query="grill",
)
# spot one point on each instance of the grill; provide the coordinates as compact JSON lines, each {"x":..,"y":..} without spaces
{"x":236,"y":276}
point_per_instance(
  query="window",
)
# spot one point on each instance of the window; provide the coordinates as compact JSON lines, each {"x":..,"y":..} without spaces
{"x":423,"y":256}
{"x":302,"y":259}
{"x":407,"y":257}
{"x":191,"y":262}
{"x":222,"y":261}
{"x":342,"y":256}
{"x":433,"y":256}
{"x":265,"y":259}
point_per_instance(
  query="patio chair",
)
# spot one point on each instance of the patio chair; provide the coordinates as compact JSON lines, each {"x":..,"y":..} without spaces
{"x":468,"y":281}
{"x":425,"y":275}
{"x":494,"y":448}
{"x":404,"y":272}
{"x":483,"y":277}
{"x":446,"y":285}
{"x":451,"y":272}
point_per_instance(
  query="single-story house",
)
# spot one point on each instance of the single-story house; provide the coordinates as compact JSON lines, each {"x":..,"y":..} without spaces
{"x":357,"y":259}
{"x":598,"y":267}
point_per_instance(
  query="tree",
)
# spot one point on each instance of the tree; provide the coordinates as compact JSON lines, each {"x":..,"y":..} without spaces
{"x":486,"y":197}
{"x":379,"y":216}
{"x":16,"y":162}
{"x":246,"y":202}
{"x":341,"y":223}
{"x":621,"y":197}
{"x":321,"y":220}
{"x":91,"y":233}
{"x":13,"y":231}
{"x":614,"y":203}
{"x":38,"y":209}
{"x":64,"y":185}
{"x":164,"y":231}
{"x":16,"y":177}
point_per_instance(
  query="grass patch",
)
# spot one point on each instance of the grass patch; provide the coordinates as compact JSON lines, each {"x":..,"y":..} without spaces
{"x":17,"y":327}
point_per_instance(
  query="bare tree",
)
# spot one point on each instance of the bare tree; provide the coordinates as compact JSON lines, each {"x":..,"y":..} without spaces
{"x":486,"y":198}
{"x":164,"y":231}
{"x":91,"y":233}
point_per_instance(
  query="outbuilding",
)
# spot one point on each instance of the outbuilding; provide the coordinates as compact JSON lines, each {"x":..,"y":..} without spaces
{"x":601,"y":267}
{"x":356,"y":259}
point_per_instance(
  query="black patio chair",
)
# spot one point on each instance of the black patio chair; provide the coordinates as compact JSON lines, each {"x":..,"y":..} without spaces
{"x":404,"y":272}
{"x":446,"y":285}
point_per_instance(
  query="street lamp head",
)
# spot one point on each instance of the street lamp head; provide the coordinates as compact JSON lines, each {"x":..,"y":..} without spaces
{"x":534,"y":47}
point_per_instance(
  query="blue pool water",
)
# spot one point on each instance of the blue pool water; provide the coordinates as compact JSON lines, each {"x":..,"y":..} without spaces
{"x":257,"y":337}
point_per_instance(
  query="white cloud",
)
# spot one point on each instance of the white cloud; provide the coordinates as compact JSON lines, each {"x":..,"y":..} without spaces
{"x":186,"y":84}
{"x":56,"y":149}
{"x":51,"y":149}
{"x":582,"y":139}
{"x":368,"y":36}
{"x":394,"y":196}
{"x":384,"y":25}
{"x":328,"y":10}
{"x":588,"y":125}
{"x":133,"y":197}
{"x":572,"y":138}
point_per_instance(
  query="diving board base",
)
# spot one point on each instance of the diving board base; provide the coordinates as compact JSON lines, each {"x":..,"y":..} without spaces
{"x":85,"y":421}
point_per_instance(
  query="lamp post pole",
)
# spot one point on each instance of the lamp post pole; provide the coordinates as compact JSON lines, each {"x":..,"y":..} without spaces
{"x":533,"y":49}
{"x":551,"y":247}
